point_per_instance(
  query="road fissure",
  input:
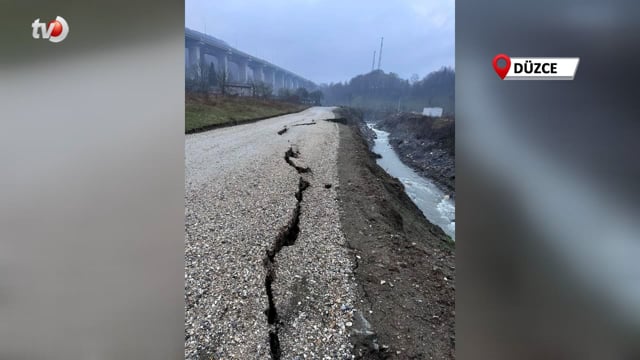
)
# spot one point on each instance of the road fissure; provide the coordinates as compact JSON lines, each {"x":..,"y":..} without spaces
{"x":305,"y":124}
{"x":288,"y":155}
{"x":287,"y":236}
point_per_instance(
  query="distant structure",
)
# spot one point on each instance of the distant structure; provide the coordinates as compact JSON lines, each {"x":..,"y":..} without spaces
{"x":207,"y":52}
{"x":380,"y":54}
{"x":432,"y":111}
{"x":373,"y":62}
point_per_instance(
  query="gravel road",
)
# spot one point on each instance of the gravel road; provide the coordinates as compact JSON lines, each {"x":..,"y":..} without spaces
{"x":267,"y":273}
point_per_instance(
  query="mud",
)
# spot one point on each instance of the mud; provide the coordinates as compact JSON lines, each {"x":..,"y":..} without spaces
{"x":425,"y":144}
{"x":405,"y":266}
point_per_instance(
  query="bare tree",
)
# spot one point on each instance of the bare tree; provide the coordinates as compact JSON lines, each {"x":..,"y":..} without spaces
{"x":316,"y":96}
{"x":260,"y":89}
{"x":222,"y":77}
{"x":414,"y":79}
{"x":254,"y":84}
{"x":197,"y":79}
{"x":265,"y":90}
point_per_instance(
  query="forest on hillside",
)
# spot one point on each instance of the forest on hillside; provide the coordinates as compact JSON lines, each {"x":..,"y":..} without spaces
{"x":378,"y":90}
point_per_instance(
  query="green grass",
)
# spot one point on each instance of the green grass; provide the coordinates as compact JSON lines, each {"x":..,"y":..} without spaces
{"x":204,"y":111}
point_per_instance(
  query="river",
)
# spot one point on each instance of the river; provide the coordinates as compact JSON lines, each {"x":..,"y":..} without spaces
{"x":436,"y":206}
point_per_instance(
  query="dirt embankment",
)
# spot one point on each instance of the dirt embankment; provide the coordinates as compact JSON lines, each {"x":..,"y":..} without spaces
{"x":425,"y":144}
{"x":405,"y":265}
{"x":368,"y":134}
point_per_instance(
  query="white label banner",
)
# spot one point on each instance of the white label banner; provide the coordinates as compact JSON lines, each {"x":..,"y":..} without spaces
{"x":538,"y":68}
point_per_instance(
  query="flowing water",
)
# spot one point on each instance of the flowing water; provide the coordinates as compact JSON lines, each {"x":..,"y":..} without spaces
{"x":435,"y":204}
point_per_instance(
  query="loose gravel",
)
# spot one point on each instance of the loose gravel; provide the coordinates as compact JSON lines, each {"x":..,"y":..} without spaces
{"x":240,"y":194}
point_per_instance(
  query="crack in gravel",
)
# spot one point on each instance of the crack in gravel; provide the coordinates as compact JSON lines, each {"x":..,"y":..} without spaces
{"x":286,"y":237}
{"x":240,"y":194}
{"x":294,"y":154}
{"x":304,"y":124}
{"x":342,"y":121}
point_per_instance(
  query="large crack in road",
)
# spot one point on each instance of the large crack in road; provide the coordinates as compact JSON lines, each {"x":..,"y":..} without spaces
{"x":293,"y":154}
{"x":286,"y":237}
{"x":241,"y":220}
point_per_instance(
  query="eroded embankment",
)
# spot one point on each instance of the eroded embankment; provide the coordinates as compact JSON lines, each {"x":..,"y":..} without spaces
{"x":425,"y":144}
{"x":405,"y":265}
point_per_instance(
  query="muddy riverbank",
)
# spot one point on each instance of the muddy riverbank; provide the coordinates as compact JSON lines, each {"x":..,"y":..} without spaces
{"x":405,"y":266}
{"x":425,"y":144}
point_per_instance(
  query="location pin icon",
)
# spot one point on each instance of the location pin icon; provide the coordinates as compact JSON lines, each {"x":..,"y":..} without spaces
{"x":502,"y":71}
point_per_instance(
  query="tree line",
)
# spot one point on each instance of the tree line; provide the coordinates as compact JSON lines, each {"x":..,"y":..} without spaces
{"x":378,"y":90}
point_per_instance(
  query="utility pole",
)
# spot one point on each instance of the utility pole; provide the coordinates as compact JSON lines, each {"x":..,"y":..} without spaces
{"x":205,"y":25}
{"x":373,"y":62}
{"x":380,"y":54}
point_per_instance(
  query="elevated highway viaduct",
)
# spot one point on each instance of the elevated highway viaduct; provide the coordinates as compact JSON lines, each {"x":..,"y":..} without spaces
{"x":201,"y":51}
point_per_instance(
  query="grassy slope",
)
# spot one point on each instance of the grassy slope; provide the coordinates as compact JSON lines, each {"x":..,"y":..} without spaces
{"x":201,"y":111}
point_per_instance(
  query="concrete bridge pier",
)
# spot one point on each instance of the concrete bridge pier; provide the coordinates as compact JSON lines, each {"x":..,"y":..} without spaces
{"x":243,"y":70}
{"x":201,"y":51}
{"x":258,"y":73}
{"x":276,"y":84}
{"x":270,"y":77}
{"x":223,"y":63}
{"x":194,"y":65}
{"x":280,"y":80}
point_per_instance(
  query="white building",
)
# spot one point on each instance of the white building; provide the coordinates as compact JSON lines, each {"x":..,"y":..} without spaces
{"x":432,"y":111}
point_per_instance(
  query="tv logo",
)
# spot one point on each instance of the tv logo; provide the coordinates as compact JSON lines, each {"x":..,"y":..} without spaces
{"x":56,"y":30}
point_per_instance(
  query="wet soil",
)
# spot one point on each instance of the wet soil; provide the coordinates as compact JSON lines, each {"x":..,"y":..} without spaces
{"x":425,"y":144}
{"x":405,"y":266}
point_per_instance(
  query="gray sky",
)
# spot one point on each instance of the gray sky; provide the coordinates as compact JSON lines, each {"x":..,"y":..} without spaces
{"x":334,"y":40}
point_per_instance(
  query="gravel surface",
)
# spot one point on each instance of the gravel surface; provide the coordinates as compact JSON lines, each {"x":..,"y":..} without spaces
{"x":248,"y":220}
{"x":315,"y":275}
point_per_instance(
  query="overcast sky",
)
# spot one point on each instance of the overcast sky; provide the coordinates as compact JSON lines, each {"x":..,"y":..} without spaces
{"x":333,"y":40}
